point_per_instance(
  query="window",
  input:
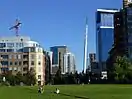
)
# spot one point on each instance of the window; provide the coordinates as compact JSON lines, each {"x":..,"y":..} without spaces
{"x":15,"y":56}
{"x":10,"y":44}
{"x":32,"y":50}
{"x":15,"y":63}
{"x":2,"y":50}
{"x":10,"y":68}
{"x":11,"y":63}
{"x":39,"y":63}
{"x":4,"y":56}
{"x":32,"y":62}
{"x":10,"y":56}
{"x":4,"y":63}
{"x":25,"y":69}
{"x":20,"y":63}
{"x":2,"y":45}
{"x":15,"y":68}
{"x":39,"y":76}
{"x":19,"y":56}
{"x":10,"y":50}
{"x":19,"y":69}
{"x":17,"y":44}
{"x":32,"y":56}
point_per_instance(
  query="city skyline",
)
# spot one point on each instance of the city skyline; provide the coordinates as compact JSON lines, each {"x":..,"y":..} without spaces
{"x":54,"y":24}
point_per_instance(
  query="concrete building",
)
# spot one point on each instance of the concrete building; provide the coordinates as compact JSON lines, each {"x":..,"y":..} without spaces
{"x":20,"y":54}
{"x":58,"y":56}
{"x":104,"y":35}
{"x":48,"y":66}
{"x":69,"y":63}
{"x":122,"y":36}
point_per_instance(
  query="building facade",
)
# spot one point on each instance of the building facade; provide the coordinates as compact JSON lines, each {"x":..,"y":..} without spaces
{"x":104,"y":35}
{"x":123,"y":34}
{"x":58,"y":56}
{"x":20,"y":54}
{"x":92,"y":57}
{"x":69,"y":63}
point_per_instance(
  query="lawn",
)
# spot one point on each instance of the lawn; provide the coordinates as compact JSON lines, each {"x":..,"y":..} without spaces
{"x":69,"y":92}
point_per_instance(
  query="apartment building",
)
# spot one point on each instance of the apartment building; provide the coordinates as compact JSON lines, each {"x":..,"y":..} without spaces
{"x":20,"y":54}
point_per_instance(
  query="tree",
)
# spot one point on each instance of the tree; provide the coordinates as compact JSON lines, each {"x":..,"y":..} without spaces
{"x":122,"y":68}
{"x":30,"y":77}
{"x":19,"y":78}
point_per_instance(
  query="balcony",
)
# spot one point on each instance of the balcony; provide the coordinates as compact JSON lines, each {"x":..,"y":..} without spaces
{"x":25,"y":57}
{"x":25,"y":63}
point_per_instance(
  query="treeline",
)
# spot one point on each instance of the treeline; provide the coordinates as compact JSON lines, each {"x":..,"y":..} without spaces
{"x":77,"y":78}
{"x":120,"y":72}
{"x":18,"y":79}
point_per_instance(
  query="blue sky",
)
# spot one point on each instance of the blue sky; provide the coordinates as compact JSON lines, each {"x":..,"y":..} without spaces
{"x":55,"y":22}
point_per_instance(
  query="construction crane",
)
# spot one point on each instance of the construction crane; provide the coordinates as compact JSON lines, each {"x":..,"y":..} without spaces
{"x":16,"y":27}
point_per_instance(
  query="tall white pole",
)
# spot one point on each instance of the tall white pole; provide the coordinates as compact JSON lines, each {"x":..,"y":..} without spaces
{"x":85,"y":48}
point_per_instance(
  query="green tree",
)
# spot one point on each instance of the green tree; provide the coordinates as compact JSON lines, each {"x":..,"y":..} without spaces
{"x":19,"y":78}
{"x":30,"y":78}
{"x":122,"y":68}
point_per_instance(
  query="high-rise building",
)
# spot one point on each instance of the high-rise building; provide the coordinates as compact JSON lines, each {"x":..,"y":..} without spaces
{"x":122,"y":37}
{"x":58,"y":56}
{"x":20,"y":54}
{"x":85,"y":62}
{"x":69,"y":63}
{"x":48,"y":66}
{"x":104,"y":35}
{"x":123,"y":34}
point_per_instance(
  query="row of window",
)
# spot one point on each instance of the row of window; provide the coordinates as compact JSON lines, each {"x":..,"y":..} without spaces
{"x":6,"y":63}
{"x":20,"y":50}
{"x":107,"y":19}
{"x":19,"y":69}
{"x":11,"y":45}
{"x":17,"y":56}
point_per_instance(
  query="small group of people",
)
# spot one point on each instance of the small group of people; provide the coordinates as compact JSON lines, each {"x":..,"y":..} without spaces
{"x":40,"y":90}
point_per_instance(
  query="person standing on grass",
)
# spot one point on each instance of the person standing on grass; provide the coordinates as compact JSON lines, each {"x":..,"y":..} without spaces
{"x":57,"y":91}
{"x":40,"y":89}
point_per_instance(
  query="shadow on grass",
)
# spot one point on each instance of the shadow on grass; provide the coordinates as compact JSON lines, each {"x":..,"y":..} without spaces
{"x":81,"y":97}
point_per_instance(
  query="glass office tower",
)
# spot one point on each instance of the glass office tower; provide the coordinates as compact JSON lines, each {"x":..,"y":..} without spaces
{"x":104,"y":35}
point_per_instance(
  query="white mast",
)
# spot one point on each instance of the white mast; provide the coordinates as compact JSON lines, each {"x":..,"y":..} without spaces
{"x":85,"y":48}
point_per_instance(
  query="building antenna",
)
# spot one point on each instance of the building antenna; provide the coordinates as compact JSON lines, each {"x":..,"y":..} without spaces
{"x":16,"y":27}
{"x":85,"y":47}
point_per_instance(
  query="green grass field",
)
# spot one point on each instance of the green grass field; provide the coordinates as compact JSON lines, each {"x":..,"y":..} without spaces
{"x":69,"y":92}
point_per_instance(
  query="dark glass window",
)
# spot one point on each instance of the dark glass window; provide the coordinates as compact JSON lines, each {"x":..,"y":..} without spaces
{"x":2,"y":50}
{"x":10,"y":50}
{"x":2,"y":45}
{"x":106,"y":37}
{"x":11,"y":63}
{"x":15,"y":63}
{"x":4,"y":63}
{"x":55,"y":55}
{"x":32,"y":62}
{"x":4,"y":56}
{"x":20,"y":63}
